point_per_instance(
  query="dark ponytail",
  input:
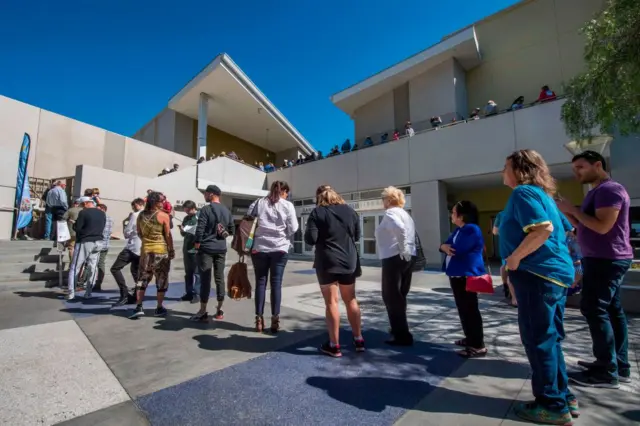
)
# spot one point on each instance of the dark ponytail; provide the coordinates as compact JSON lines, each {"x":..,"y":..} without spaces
{"x":277,"y":188}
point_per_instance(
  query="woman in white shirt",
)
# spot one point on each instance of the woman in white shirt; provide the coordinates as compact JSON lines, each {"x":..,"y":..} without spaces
{"x":395,"y":238}
{"x":277,"y":223}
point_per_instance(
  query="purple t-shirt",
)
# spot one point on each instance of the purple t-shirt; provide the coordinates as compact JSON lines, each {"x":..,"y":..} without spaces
{"x":616,"y":243}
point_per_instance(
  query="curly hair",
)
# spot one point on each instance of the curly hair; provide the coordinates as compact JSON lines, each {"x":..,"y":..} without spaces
{"x":530,"y":168}
{"x":152,"y":200}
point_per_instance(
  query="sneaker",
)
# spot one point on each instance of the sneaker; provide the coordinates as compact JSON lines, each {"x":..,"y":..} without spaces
{"x":219,"y":314}
{"x":623,"y":376}
{"x":160,"y":312}
{"x":121,"y":302}
{"x":624,"y":379}
{"x":593,"y":380}
{"x":87,"y":294}
{"x":332,"y":351}
{"x":574,"y":408}
{"x":137,"y":313}
{"x":533,"y":412}
{"x":187,"y":297}
{"x":359,"y":345}
{"x":200,"y":317}
{"x":71,"y":297}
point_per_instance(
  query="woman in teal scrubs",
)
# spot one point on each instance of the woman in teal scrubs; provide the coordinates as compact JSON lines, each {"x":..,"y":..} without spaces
{"x":533,"y":242}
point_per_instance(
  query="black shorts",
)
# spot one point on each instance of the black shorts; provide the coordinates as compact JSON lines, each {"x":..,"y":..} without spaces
{"x":325,"y":278}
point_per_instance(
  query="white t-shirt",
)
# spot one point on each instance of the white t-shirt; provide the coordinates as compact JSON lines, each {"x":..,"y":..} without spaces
{"x":131,"y":234}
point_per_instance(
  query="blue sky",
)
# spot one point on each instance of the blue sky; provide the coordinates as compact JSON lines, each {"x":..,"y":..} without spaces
{"x":115,"y":64}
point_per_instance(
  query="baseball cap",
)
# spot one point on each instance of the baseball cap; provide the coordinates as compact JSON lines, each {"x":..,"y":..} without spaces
{"x":86,"y":200}
{"x":213,"y":189}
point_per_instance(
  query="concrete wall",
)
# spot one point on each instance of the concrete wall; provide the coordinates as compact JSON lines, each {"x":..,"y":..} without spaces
{"x":289,"y":154}
{"x":375,"y":118}
{"x":229,"y":173}
{"x":432,"y":93}
{"x":401,"y":110}
{"x":467,"y":149}
{"x":528,"y":46}
{"x":218,"y":141}
{"x":184,"y":135}
{"x":460,"y":90}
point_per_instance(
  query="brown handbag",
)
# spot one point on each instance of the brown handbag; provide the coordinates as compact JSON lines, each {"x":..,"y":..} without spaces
{"x":238,"y":284}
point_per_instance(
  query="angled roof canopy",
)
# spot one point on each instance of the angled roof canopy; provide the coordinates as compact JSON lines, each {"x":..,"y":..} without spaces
{"x":238,"y":107}
{"x":463,"y":46}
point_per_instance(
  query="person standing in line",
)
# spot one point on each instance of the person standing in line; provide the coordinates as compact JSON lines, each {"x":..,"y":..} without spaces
{"x":71,"y":216}
{"x":396,"y":242}
{"x":89,"y":235}
{"x":277,"y":223}
{"x":188,"y":232}
{"x":333,"y":228}
{"x":156,"y":253}
{"x":104,"y":251}
{"x":464,"y":249}
{"x":130,"y":255}
{"x":509,"y":294}
{"x":604,"y":236}
{"x":215,"y":224}
{"x":533,"y":241}
{"x":58,"y":205}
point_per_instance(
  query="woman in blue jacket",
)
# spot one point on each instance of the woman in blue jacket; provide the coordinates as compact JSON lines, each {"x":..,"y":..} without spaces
{"x":464,"y":249}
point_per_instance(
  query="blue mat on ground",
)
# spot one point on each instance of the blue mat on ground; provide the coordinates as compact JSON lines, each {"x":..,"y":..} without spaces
{"x":306,"y":272}
{"x":300,"y":386}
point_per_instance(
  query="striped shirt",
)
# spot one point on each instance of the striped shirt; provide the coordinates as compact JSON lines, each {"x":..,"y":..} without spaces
{"x":106,"y":234}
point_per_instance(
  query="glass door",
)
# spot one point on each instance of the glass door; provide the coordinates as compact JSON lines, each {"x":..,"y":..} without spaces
{"x":368,"y":225}
{"x":297,"y":238}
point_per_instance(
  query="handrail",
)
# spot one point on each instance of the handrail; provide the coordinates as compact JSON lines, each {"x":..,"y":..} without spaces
{"x":443,"y":126}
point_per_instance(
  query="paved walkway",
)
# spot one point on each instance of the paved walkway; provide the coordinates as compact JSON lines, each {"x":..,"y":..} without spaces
{"x":83,"y":364}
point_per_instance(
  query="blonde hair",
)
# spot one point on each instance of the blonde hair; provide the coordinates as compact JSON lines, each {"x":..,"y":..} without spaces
{"x":394,"y":195}
{"x":530,"y":168}
{"x":329,"y":197}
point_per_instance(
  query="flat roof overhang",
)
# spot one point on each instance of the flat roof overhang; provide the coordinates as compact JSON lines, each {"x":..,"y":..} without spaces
{"x":463,"y":46}
{"x":238,"y":107}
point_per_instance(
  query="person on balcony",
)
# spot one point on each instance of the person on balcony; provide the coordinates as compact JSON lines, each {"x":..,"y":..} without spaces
{"x":546,"y":95}
{"x":346,"y":146}
{"x":368,"y":141}
{"x":518,"y":103}
{"x":436,"y":122}
{"x":475,"y":114}
{"x":491,"y":108}
{"x":384,"y":138}
{"x":396,"y":135}
{"x":409,"y":130}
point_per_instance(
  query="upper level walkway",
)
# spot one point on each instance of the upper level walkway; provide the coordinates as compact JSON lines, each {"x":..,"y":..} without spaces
{"x":84,"y":364}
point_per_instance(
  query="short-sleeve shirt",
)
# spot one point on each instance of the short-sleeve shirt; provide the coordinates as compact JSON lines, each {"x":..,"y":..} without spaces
{"x":527,"y":207}
{"x":496,"y":221}
{"x":615,"y":244}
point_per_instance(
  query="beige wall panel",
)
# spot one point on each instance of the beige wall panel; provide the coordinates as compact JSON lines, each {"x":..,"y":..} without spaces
{"x":143,"y":159}
{"x":184,"y":135}
{"x":432,"y":93}
{"x":375,"y":118}
{"x":63,"y":143}
{"x":113,"y":185}
{"x":571,"y":15}
{"x":384,"y":165}
{"x":541,"y":129}
{"x":571,"y":48}
{"x":285,"y":175}
{"x":114,"y":152}
{"x":7,"y":197}
{"x":166,"y":129}
{"x":429,"y":212}
{"x":507,"y":33}
{"x":229,"y":172}
{"x":16,"y":119}
{"x":9,"y":169}
{"x":148,"y":133}
{"x":477,"y":147}
{"x":401,"y":110}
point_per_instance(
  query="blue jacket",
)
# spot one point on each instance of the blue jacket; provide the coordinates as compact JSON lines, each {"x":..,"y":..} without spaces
{"x":469,"y":246}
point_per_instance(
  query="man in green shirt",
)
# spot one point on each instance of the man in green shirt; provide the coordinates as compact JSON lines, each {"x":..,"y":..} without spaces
{"x":188,"y":231}
{"x":71,"y":216}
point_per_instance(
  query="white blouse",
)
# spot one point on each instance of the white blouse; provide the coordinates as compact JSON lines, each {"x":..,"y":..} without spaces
{"x":276,"y":225}
{"x":396,"y":234}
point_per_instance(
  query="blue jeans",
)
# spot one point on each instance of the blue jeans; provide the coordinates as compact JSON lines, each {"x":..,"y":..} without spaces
{"x":602,"y":308}
{"x":269,"y":265}
{"x":540,"y":317}
{"x":48,"y":222}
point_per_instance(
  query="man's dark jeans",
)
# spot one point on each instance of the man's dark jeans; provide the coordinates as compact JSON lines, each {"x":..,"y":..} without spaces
{"x":124,"y":258}
{"x":269,"y":265}
{"x":602,"y":307}
{"x":540,"y":318}
{"x":207,"y":262}
{"x":191,"y":275}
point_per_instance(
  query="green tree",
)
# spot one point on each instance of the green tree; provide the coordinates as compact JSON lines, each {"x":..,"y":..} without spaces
{"x":607,"y":94}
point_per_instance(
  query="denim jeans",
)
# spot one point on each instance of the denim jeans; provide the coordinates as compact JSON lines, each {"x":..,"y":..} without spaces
{"x":191,"y":274}
{"x":48,"y":223}
{"x":269,"y":265}
{"x":540,"y":317}
{"x":602,"y":308}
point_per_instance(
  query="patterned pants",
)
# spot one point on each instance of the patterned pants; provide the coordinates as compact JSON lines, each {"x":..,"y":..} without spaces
{"x":153,"y":264}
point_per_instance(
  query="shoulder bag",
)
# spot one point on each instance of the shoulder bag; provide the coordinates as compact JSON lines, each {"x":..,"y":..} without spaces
{"x":482,"y":283}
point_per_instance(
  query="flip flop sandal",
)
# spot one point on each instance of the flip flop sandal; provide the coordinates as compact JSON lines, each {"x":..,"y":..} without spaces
{"x":472,"y":353}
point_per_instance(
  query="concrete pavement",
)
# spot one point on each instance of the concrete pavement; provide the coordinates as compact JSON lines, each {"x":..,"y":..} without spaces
{"x":84,"y":364}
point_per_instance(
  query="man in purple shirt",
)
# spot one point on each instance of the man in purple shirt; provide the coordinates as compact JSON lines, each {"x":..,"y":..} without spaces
{"x":604,"y":237}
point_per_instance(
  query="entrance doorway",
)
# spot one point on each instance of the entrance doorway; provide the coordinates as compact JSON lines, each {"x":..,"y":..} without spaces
{"x":369,"y":222}
{"x":306,"y":248}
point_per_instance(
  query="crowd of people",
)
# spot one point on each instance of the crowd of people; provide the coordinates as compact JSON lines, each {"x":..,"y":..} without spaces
{"x":549,"y":248}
